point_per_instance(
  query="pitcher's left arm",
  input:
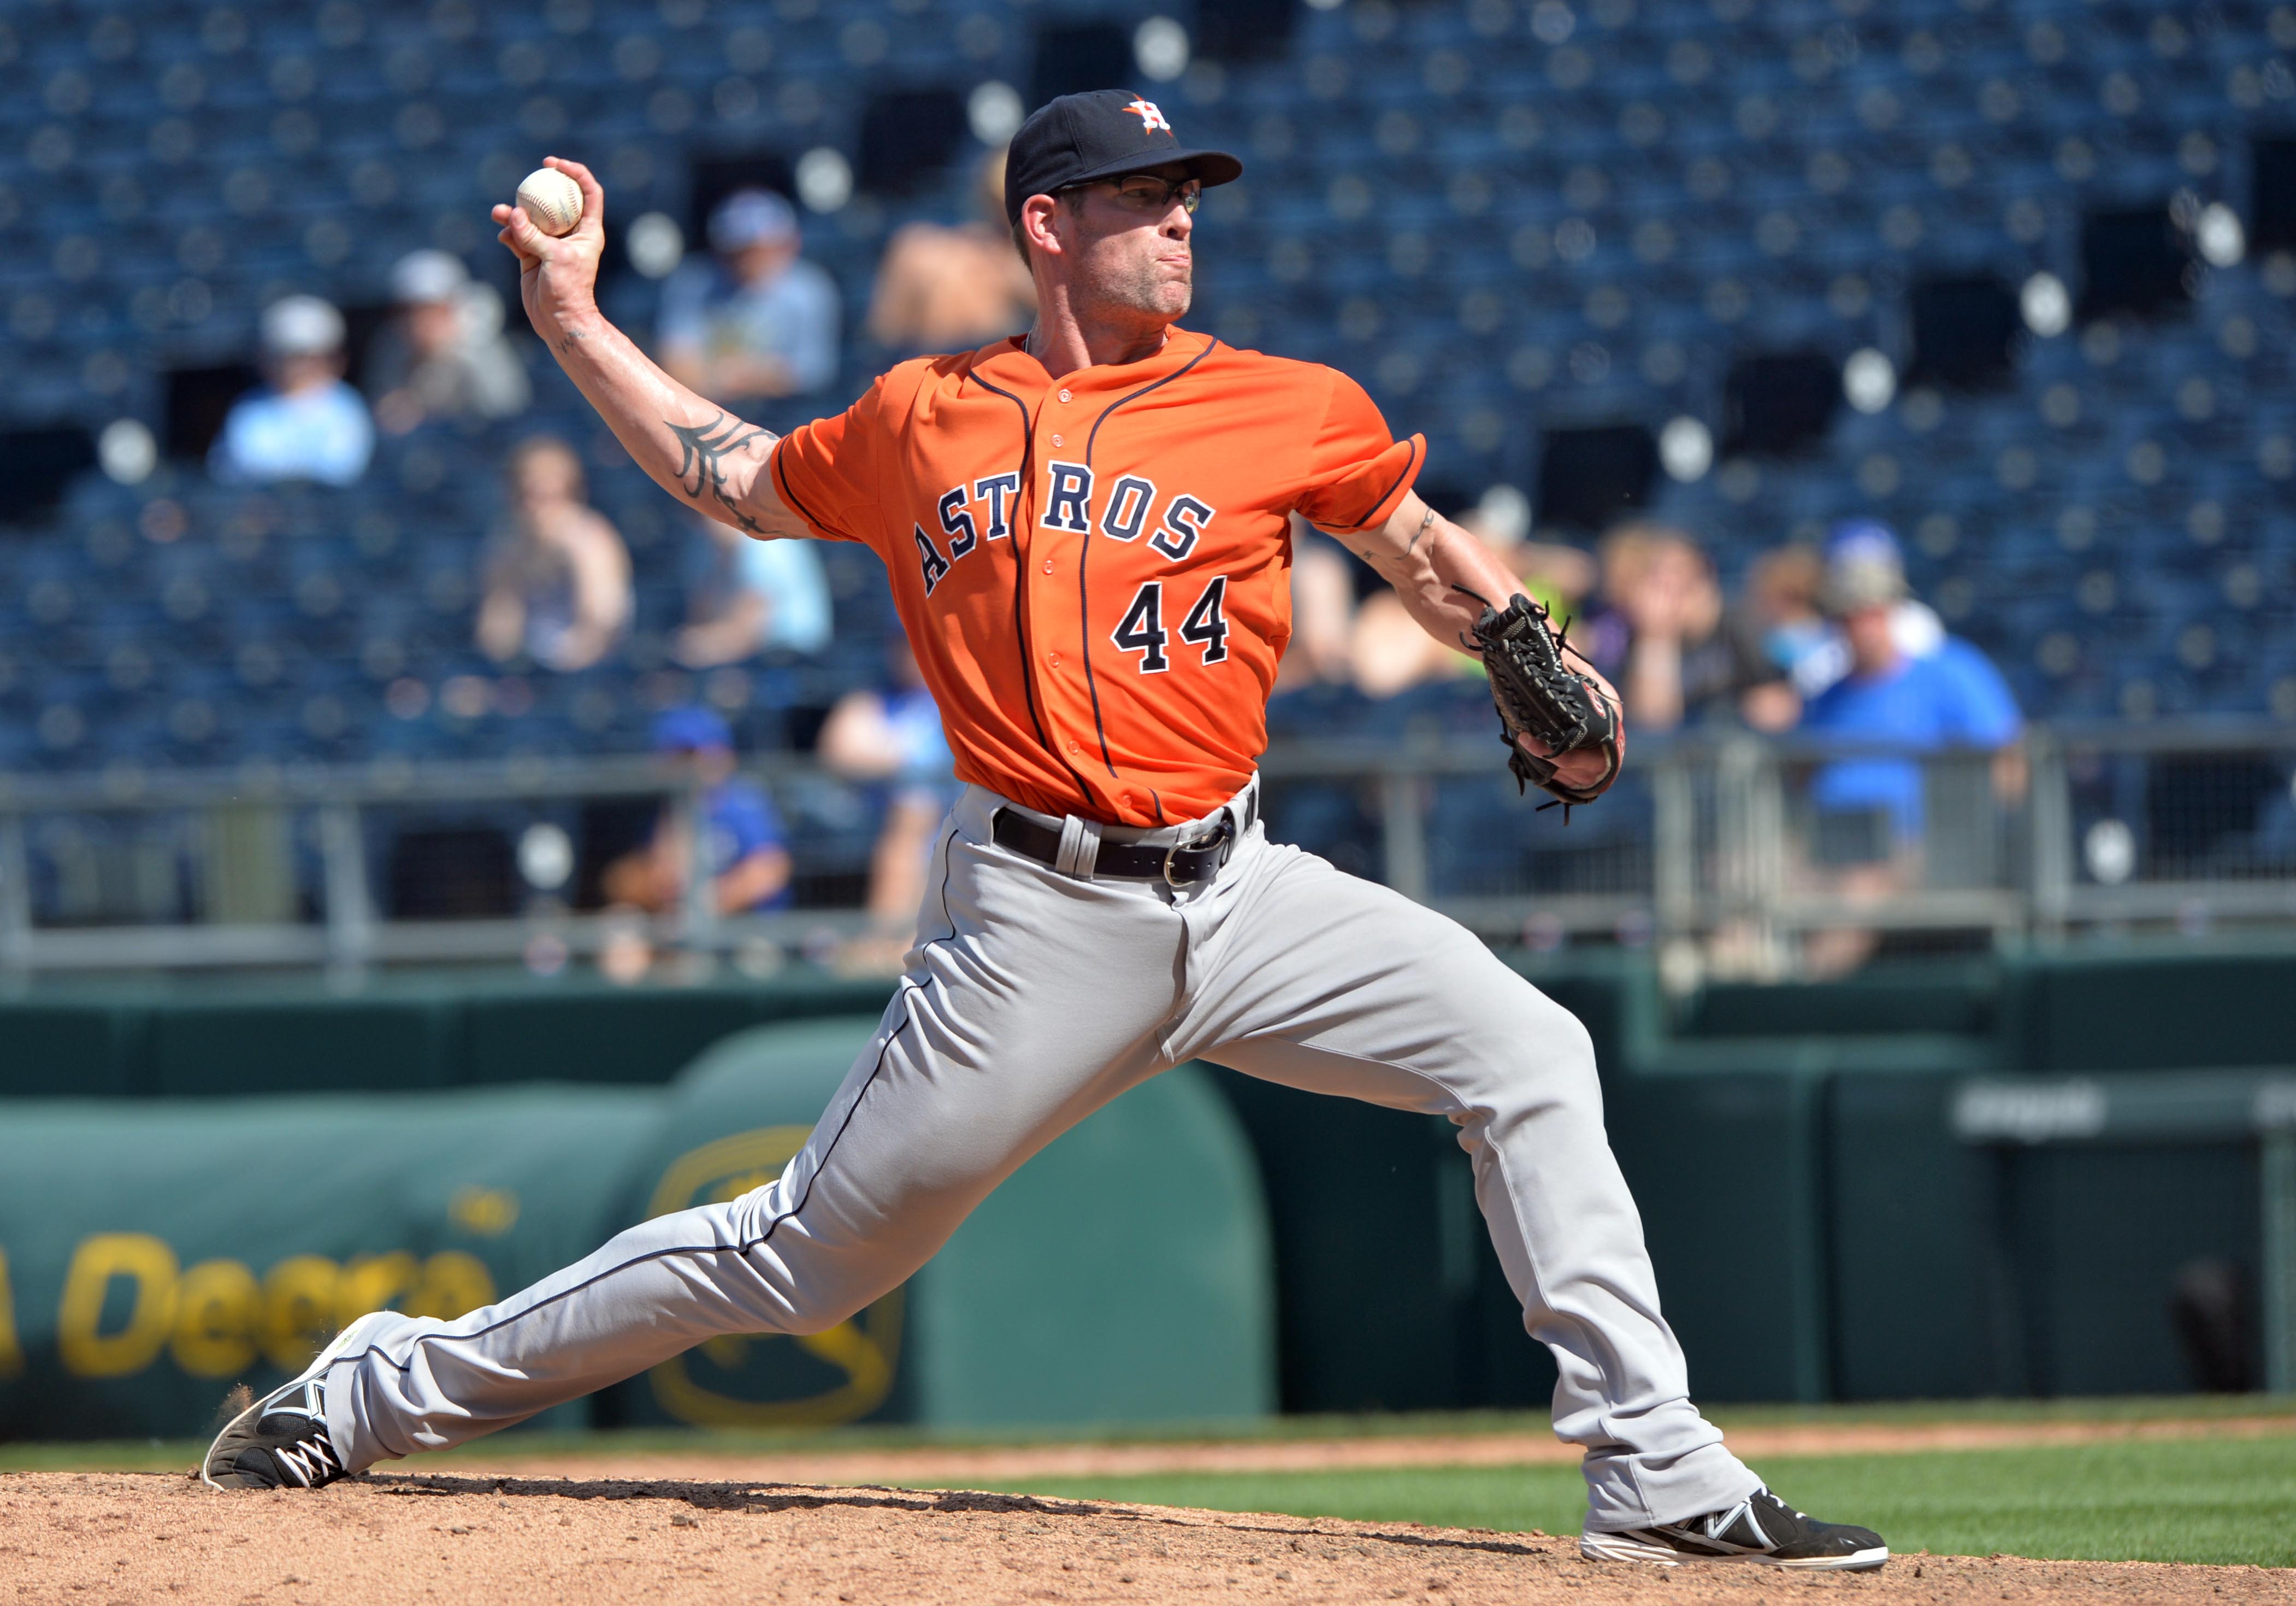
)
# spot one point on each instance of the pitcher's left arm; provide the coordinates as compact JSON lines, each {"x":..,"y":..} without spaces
{"x":1446,"y":579}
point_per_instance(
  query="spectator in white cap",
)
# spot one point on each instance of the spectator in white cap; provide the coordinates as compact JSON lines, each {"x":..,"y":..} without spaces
{"x":759,"y":320}
{"x":445,"y":355}
{"x":305,"y":423}
{"x":1905,"y":705}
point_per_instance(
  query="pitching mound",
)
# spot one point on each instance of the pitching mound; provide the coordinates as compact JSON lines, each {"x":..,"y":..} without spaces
{"x":148,"y":1537}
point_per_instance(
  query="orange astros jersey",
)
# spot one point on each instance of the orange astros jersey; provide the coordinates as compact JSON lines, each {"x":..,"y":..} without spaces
{"x":1095,"y":572}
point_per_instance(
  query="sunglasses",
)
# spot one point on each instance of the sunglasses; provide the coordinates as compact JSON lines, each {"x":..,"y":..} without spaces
{"x":1146,"y":193}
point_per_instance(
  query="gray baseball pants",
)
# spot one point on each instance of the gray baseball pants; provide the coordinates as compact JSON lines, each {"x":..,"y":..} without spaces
{"x":1033,"y":998}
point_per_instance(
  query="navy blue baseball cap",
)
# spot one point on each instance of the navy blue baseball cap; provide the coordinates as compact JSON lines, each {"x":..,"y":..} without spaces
{"x":691,"y":729}
{"x":1865,"y":566}
{"x":1103,"y":134}
{"x":1863,"y":540}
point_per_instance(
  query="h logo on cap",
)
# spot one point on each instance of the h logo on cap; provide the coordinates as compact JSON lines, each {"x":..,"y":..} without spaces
{"x":1151,"y":118}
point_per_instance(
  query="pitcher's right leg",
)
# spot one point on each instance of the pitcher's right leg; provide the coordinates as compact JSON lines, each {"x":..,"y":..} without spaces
{"x":983,"y":1058}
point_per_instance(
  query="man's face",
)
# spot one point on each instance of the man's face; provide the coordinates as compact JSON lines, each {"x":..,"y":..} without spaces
{"x":1872,"y":646}
{"x":761,"y":259}
{"x":544,"y":478}
{"x":1127,"y":245}
{"x":708,"y":765}
{"x":430,"y":326}
{"x":292,"y":375}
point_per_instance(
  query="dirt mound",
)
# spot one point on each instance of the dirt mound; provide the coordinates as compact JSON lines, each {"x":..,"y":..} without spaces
{"x":104,"y":1537}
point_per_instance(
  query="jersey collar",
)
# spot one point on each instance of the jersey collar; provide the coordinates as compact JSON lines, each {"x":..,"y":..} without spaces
{"x":1004,"y":364}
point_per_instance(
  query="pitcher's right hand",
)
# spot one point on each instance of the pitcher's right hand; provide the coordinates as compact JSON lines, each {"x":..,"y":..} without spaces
{"x":558,"y":274}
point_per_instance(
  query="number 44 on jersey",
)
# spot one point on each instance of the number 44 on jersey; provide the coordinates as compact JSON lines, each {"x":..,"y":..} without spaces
{"x":1141,"y":628}
{"x":1125,"y":517}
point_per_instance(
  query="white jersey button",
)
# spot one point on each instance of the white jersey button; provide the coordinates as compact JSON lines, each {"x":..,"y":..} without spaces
{"x":1064,"y":396}
{"x":1048,"y":566}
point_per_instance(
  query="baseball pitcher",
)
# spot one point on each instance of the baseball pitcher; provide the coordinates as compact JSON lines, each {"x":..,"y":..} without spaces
{"x":1086,"y":530}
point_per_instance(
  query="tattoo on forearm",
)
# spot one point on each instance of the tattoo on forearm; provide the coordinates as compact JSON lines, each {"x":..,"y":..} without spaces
{"x":1425,"y":519}
{"x":705,"y":449}
{"x":566,"y":339}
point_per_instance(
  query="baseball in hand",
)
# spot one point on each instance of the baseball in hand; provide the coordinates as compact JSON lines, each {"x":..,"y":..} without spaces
{"x":552,"y":200}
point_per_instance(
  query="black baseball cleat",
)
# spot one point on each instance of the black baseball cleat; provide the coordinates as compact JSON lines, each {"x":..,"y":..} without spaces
{"x":281,"y":1444}
{"x":280,"y":1441}
{"x":1761,"y":1529}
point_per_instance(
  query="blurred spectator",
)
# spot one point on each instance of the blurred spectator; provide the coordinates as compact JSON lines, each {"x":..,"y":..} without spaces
{"x":745,"y":849}
{"x":557,"y":575}
{"x":892,"y":736}
{"x":1665,"y":640}
{"x":1557,"y":576}
{"x":1869,"y":811}
{"x":759,"y":320}
{"x":305,"y":423}
{"x":1390,"y":653}
{"x":1322,"y":611}
{"x":1782,"y":600}
{"x":954,"y":288}
{"x":1951,"y":696}
{"x":745,"y":596}
{"x":445,"y":355}
{"x":1785,"y":591}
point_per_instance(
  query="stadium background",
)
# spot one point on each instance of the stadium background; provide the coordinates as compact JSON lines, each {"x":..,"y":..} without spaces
{"x":2015,"y":277}
{"x":1538,"y":235}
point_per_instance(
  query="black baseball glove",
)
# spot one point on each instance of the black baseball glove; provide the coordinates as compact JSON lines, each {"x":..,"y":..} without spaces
{"x":1539,"y":696}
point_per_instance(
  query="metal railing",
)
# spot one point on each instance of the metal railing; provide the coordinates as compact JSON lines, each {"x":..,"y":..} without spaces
{"x":242,"y":826}
{"x":1747,"y":845}
{"x":1731,"y":852}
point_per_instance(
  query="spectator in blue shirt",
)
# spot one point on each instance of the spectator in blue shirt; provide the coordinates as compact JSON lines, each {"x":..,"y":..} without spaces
{"x":1785,"y":588}
{"x":305,"y":423}
{"x":1950,"y":696}
{"x":746,"y":596}
{"x":1869,"y":810}
{"x":758,"y":322}
{"x":745,"y":848}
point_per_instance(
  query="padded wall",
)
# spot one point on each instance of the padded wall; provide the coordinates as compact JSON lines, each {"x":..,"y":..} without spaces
{"x":156,"y":1252}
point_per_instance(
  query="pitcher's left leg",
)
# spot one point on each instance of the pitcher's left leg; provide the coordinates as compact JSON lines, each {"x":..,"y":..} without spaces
{"x":1317,"y":980}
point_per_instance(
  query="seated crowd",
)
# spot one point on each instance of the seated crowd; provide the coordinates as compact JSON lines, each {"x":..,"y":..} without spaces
{"x":1826,"y":641}
{"x":1821,"y":638}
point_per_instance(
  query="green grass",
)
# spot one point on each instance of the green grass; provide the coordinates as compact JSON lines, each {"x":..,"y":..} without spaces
{"x":2216,"y":1500}
{"x":155,"y":1454}
{"x":2186,"y":1500}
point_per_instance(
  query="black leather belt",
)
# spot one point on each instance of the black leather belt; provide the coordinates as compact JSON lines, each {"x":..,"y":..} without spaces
{"x":1181,"y":866}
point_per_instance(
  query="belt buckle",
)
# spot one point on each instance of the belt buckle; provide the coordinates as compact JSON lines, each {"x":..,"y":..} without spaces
{"x":1212,"y":841}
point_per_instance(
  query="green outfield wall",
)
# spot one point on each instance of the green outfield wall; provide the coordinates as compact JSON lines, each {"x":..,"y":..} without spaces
{"x":159,"y":1251}
{"x":208,"y":1037}
{"x":152,"y":1252}
{"x":1820,"y":1229}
